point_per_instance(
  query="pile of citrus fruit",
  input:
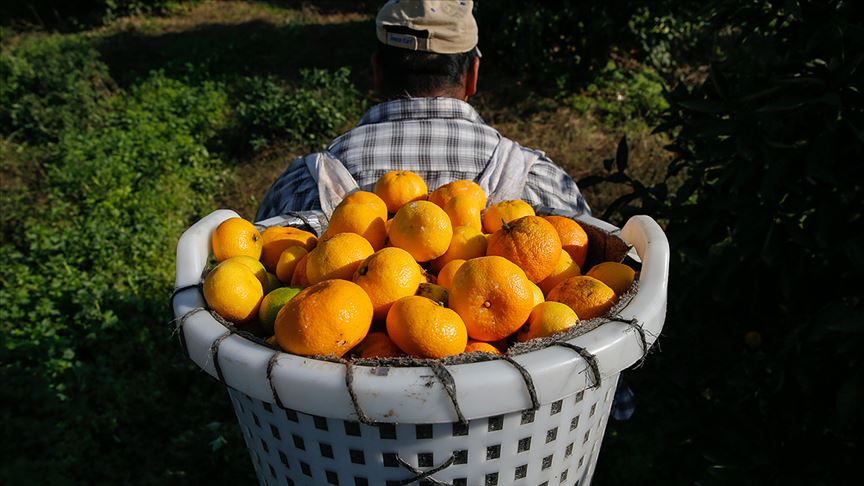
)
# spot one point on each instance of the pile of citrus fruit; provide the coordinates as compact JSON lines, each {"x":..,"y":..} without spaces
{"x":402,"y":272}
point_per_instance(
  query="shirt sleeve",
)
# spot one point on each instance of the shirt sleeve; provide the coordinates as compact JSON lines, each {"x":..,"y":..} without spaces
{"x":549,"y":186}
{"x":294,"y":190}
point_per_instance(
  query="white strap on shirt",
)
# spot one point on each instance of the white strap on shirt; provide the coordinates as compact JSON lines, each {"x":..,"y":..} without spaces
{"x":503,"y":179}
{"x":506,"y":174}
{"x":334,"y":180}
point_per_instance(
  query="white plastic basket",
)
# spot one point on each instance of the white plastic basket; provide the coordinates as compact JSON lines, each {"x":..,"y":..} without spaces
{"x":302,"y":425}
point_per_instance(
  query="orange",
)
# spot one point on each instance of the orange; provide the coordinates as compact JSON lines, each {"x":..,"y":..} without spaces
{"x":547,"y":319}
{"x":481,"y":346}
{"x":453,"y":189}
{"x":467,"y":243}
{"x":272,"y":284}
{"x":273,"y":303}
{"x":254,"y":265}
{"x":537,"y":294}
{"x":277,"y":238}
{"x":298,"y":277}
{"x":464,"y":211}
{"x":387,"y":276}
{"x":399,"y":187}
{"x":492,"y":295}
{"x":361,"y":219}
{"x":587,"y":296}
{"x":574,"y":240}
{"x":328,"y":318}
{"x":370,"y":199}
{"x":617,"y":276}
{"x":288,"y":262}
{"x":425,"y":329}
{"x":564,"y":269}
{"x":235,"y":237}
{"x":233,"y":291}
{"x":530,"y":242}
{"x":445,"y":276}
{"x":422,"y":229}
{"x":378,"y":345}
{"x":337,"y":257}
{"x":504,"y":212}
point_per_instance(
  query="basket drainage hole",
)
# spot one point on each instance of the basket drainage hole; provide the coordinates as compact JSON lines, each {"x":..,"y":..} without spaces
{"x":496,"y":423}
{"x":493,"y":452}
{"x":521,"y":471}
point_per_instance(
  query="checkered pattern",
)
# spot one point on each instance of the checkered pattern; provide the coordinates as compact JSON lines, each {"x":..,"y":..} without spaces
{"x":441,"y":139}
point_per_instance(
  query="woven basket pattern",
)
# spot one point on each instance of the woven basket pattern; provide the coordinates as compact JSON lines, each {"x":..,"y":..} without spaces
{"x":557,"y":444}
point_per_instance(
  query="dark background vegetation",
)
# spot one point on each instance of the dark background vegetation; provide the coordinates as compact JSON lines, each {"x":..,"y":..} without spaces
{"x":739,"y":125}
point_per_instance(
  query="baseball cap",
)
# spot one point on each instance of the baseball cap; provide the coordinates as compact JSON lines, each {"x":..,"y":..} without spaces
{"x":439,"y":26}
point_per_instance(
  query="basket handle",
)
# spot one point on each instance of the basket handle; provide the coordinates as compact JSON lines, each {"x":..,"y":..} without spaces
{"x":193,"y":249}
{"x":651,"y":244}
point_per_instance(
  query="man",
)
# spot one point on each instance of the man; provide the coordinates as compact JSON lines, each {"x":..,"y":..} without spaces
{"x":426,"y":67}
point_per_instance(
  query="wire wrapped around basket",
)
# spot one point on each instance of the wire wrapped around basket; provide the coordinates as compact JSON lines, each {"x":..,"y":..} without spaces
{"x":438,"y":366}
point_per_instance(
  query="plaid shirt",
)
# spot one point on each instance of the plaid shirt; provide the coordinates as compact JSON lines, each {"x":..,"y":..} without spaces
{"x":440,"y":139}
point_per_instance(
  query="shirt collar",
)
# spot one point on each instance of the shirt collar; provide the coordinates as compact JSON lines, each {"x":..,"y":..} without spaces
{"x":420,"y":109}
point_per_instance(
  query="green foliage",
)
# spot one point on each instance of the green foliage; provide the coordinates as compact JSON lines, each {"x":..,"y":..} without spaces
{"x":305,"y":116}
{"x":98,"y":184}
{"x":622,"y":96}
{"x":766,"y":227}
{"x":80,"y":13}
{"x":49,"y":86}
{"x":91,"y":378}
{"x":553,"y":44}
{"x":669,"y":34}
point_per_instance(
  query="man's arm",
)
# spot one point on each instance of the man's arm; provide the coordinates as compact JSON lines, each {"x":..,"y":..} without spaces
{"x":294,"y":190}
{"x":549,"y":186}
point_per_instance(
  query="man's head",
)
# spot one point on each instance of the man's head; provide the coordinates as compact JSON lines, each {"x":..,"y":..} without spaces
{"x":426,"y":48}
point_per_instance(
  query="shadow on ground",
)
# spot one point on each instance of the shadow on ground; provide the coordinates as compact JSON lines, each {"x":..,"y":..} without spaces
{"x":225,"y":51}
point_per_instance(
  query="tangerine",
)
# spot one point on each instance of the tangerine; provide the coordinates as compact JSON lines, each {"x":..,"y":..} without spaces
{"x":387,"y":276}
{"x":370,"y":199}
{"x":277,"y":238}
{"x":361,"y":219}
{"x":337,"y":257}
{"x":587,"y":296}
{"x":328,"y":318}
{"x":530,"y":242}
{"x":547,"y":319}
{"x":574,"y":240}
{"x":422,"y":328}
{"x":288,"y":262}
{"x":492,"y":295}
{"x":422,"y":229}
{"x":235,"y":237}
{"x":564,"y":269}
{"x":467,"y":243}
{"x":233,"y":291}
{"x":464,"y":187}
{"x":504,"y":212}
{"x":399,"y":187}
{"x":618,"y":276}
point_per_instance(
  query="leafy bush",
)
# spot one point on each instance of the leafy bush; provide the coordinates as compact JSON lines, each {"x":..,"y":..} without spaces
{"x":623,"y":95}
{"x":49,"y":86}
{"x":765,"y":311}
{"x":305,"y":116}
{"x":554,"y":44}
{"x":88,"y":265}
{"x":79,"y":13}
{"x":668,"y":34}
